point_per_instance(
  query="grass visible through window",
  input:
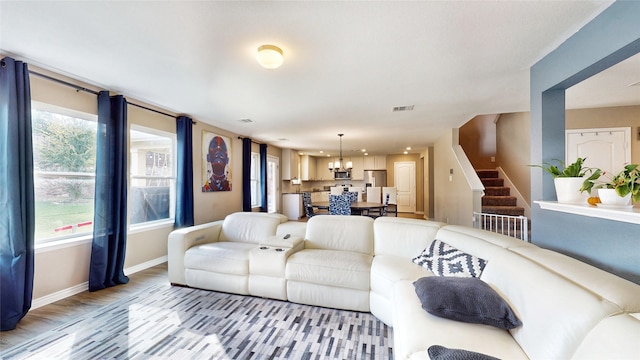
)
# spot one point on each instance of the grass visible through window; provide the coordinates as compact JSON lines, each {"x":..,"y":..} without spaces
{"x":68,"y":218}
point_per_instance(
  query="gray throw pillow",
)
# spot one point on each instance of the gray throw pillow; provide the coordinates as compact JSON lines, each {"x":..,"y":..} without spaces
{"x":465,"y":299}
{"x":439,"y":352}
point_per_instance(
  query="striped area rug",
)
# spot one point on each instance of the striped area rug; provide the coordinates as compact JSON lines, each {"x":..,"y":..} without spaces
{"x":171,"y":322}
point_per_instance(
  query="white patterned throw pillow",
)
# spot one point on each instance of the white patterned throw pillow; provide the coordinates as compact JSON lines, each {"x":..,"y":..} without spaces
{"x":443,"y":259}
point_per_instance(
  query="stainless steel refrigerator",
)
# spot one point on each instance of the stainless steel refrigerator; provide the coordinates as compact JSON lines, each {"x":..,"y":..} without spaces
{"x":375,"y":178}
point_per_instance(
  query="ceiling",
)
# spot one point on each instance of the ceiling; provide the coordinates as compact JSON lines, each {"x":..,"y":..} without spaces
{"x":347,"y":64}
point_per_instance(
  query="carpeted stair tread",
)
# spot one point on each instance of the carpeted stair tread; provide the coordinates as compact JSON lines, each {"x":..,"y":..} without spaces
{"x":503,"y":210}
{"x":492,"y":182}
{"x":499,"y":201}
{"x":497,"y":191}
{"x":487,"y":174}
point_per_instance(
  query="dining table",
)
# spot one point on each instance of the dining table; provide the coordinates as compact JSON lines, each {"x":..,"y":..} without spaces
{"x":358,"y":205}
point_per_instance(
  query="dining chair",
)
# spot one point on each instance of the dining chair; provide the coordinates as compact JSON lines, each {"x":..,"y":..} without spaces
{"x":358,"y":190}
{"x":393,"y":204}
{"x":306,"y":202}
{"x":339,"y":205}
{"x":353,"y":197}
{"x":374,"y":194}
{"x":381,"y":212}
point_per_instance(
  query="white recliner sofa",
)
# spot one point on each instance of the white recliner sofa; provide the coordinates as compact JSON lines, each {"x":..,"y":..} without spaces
{"x":242,"y":254}
{"x":562,"y":303}
{"x":333,"y":269}
{"x":568,"y":309}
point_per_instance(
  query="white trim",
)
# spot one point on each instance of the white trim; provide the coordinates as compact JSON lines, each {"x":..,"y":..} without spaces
{"x":145,"y":265}
{"x":469,"y":172}
{"x":61,"y":244}
{"x":42,"y":106}
{"x":514,"y":192}
{"x":64,"y":293}
{"x":59,"y":295}
{"x":623,"y":215}
{"x":52,"y":245}
{"x":151,"y":225}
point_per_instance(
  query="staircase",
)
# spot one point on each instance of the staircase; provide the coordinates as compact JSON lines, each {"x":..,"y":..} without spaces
{"x":498,"y":200}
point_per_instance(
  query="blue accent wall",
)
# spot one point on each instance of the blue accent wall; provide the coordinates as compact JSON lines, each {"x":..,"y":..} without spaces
{"x":611,"y":37}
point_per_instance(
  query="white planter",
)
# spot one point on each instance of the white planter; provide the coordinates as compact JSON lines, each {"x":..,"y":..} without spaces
{"x":610,"y":197}
{"x":568,"y":190}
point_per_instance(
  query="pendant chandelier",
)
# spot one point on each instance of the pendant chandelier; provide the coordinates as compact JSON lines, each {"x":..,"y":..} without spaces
{"x":340,"y":165}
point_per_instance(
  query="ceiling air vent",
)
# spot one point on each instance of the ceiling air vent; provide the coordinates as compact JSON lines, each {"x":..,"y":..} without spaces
{"x":246,"y":121}
{"x":403,"y":108}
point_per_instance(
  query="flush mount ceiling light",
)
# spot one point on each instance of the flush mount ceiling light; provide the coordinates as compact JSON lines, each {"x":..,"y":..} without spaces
{"x":270,"y":56}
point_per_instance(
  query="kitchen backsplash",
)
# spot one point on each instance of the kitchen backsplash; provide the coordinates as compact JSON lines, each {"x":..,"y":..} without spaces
{"x":287,"y":187}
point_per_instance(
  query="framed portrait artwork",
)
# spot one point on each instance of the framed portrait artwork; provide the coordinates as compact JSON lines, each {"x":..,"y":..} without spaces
{"x":216,"y":162}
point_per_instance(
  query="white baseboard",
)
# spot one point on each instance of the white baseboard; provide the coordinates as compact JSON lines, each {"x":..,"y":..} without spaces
{"x":145,"y":265}
{"x":59,"y":295}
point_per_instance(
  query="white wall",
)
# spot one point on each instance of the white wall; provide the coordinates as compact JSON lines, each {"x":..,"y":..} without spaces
{"x":455,"y":199}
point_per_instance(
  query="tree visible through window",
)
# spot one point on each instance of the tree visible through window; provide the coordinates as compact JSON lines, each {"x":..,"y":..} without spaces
{"x":64,"y":151}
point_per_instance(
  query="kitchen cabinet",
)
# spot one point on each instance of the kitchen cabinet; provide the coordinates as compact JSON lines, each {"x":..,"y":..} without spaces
{"x":377,"y":162}
{"x":357,"y":171}
{"x":322,"y":169}
{"x":290,"y":164}
{"x":307,"y":167}
{"x":292,"y":206}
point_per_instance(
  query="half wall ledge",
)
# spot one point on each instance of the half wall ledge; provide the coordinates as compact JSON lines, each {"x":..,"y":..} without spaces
{"x":624,"y":215}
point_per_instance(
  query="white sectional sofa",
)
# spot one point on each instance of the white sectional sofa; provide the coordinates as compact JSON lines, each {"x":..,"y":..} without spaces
{"x":568,"y":309}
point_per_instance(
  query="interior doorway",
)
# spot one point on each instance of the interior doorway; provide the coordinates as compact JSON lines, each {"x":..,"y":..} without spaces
{"x":604,"y":148}
{"x":404,"y":179}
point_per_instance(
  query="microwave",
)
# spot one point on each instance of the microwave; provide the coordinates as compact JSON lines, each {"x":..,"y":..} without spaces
{"x":344,"y":175}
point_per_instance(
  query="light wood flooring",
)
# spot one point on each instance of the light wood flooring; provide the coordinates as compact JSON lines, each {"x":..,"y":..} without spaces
{"x":60,"y":312}
{"x":49,"y":316}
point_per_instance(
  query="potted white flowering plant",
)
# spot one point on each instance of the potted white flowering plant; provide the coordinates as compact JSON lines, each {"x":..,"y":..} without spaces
{"x":617,"y":189}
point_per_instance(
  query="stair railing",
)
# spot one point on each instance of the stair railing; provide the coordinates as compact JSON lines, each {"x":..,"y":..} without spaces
{"x":514,"y":226}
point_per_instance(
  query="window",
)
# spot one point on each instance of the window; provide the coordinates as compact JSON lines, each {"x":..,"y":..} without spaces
{"x":255,"y":180}
{"x":152,"y":172}
{"x":64,"y":155}
{"x":273,"y":170}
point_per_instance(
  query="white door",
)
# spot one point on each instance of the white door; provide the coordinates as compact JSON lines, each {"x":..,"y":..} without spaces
{"x":404,"y":179}
{"x":272,"y":183}
{"x":604,"y":148}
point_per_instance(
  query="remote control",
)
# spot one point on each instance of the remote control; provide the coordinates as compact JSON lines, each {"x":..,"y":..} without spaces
{"x":287,"y":236}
